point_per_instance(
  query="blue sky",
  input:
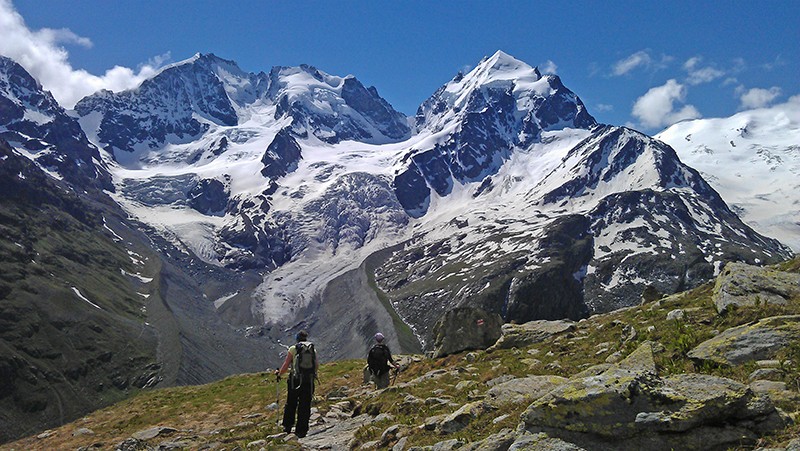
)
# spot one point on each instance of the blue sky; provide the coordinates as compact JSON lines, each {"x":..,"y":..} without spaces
{"x":639,"y":63}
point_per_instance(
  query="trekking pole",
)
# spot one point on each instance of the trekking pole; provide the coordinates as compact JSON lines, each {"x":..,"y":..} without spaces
{"x":278,"y":392}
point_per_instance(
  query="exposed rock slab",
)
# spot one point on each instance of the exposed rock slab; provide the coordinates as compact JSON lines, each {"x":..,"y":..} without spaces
{"x":532,"y":332}
{"x":523,"y":389}
{"x":621,"y":409}
{"x":465,"y":328}
{"x":628,"y":406}
{"x":758,"y":341}
{"x":741,"y":284}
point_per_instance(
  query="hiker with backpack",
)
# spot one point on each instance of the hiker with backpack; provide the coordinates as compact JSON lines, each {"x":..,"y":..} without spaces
{"x":379,"y":359}
{"x":301,"y":362}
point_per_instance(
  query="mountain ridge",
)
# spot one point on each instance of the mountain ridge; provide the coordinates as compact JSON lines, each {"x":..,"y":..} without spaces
{"x":274,"y":202}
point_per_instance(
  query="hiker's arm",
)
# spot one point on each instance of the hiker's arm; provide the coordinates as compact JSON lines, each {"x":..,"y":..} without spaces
{"x":286,"y":362}
{"x":391,"y":359}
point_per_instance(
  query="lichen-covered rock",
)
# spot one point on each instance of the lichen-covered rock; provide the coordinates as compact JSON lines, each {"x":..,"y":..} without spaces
{"x":465,"y":328}
{"x":740,"y":284}
{"x":758,"y":341}
{"x":501,"y":440}
{"x":462,"y":417}
{"x":623,"y":409}
{"x":542,"y":442}
{"x":641,"y":360}
{"x":523,"y":335}
{"x":523,"y":389}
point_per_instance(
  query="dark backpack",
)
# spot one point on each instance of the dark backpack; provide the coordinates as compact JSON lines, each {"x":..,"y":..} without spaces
{"x":304,"y":358}
{"x":377,"y":359}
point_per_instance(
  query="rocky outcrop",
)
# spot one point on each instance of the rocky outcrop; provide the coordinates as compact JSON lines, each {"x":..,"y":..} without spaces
{"x":523,"y":389}
{"x":30,"y":118}
{"x":630,"y":407}
{"x":759,"y":341}
{"x":523,"y":335}
{"x":465,"y":328}
{"x":746,"y":285}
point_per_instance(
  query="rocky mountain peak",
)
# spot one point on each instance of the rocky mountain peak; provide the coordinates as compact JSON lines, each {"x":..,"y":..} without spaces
{"x":31,"y":119}
{"x":475,"y":123}
{"x":535,"y":102}
{"x":333,"y":108}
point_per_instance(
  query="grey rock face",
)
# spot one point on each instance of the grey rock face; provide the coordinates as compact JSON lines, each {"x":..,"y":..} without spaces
{"x":465,"y":328}
{"x":209,"y":197}
{"x":524,"y":335}
{"x":749,"y":342}
{"x":740,"y":284}
{"x":281,"y":156}
{"x":30,"y":116}
{"x":165,"y":105}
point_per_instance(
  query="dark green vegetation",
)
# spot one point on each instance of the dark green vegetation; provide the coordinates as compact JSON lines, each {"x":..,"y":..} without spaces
{"x":62,"y":355}
{"x":232,"y":412}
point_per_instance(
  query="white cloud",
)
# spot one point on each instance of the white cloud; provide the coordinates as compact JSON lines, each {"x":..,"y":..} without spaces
{"x":604,"y":107}
{"x":41,"y":52}
{"x":656,"y":108}
{"x":549,"y":67}
{"x":698,"y":74}
{"x":641,"y":59}
{"x":758,"y":97}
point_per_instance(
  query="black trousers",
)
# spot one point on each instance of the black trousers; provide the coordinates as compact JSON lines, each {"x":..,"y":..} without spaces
{"x":298,"y":402}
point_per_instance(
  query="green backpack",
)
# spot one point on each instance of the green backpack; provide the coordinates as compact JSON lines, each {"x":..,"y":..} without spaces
{"x":304,"y":358}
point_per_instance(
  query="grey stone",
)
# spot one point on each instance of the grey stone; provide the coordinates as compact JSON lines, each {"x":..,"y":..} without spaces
{"x":762,"y":386}
{"x":465,"y":328}
{"x":153,"y":432}
{"x":542,"y":442}
{"x":82,"y":431}
{"x":749,"y":342}
{"x":390,"y":434}
{"x":500,"y":380}
{"x":495,"y":442}
{"x":462,"y":417}
{"x":771,"y":374}
{"x":524,"y":389}
{"x":627,"y":409}
{"x":675,"y":315}
{"x":132,"y":444}
{"x":595,"y":370}
{"x":45,"y":434}
{"x":448,"y":445}
{"x":740,"y":284}
{"x":524,"y":335}
{"x":640,"y":360}
{"x":400,"y":445}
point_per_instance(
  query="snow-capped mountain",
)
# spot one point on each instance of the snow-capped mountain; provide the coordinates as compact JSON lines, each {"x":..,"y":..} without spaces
{"x":753,"y":160}
{"x":472,"y":124}
{"x":505,"y":193}
{"x":32,"y":120}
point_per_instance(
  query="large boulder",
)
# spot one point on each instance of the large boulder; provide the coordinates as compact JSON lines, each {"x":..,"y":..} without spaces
{"x":758,"y":341}
{"x":629,"y":406}
{"x":523,"y":389}
{"x":532,"y":332}
{"x":465,"y":328}
{"x":741,"y":284}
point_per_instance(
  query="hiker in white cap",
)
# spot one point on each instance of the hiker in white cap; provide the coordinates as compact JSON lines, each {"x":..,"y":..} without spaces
{"x":379,"y":361}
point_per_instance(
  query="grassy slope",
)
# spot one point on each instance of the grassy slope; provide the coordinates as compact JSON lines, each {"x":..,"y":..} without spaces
{"x":222,"y":407}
